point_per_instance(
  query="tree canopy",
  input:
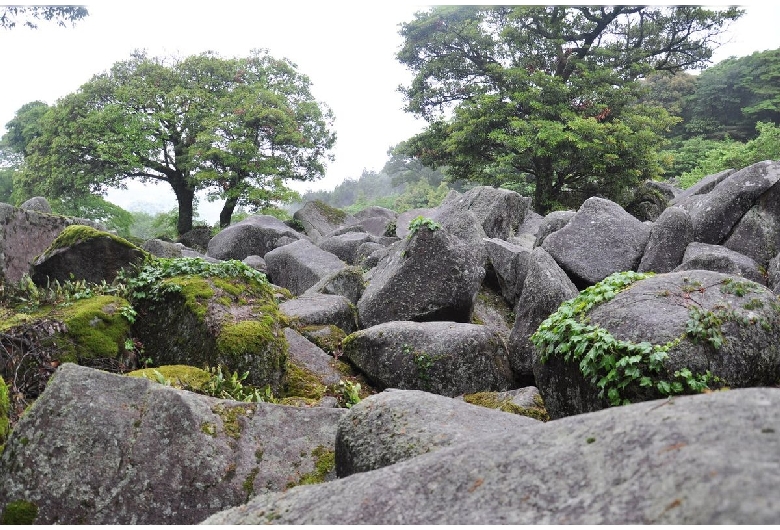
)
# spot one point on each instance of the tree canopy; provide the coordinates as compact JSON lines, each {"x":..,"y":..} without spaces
{"x":29,"y":16}
{"x":237,"y":128}
{"x":546,"y":99}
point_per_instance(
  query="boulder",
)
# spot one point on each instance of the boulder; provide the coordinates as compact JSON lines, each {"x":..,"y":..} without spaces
{"x":308,"y":357}
{"x":510,"y":264}
{"x":300,"y":265}
{"x":526,"y":401}
{"x":347,"y":282}
{"x":708,"y":459}
{"x":379,"y":226}
{"x":404,"y":218}
{"x":528,"y":230}
{"x":321,"y":309}
{"x":228,"y":319}
{"x":434,"y":274}
{"x":675,"y":329}
{"x":444,"y":358}
{"x":369,"y":254}
{"x":255,"y":235}
{"x":162,"y":249}
{"x":552,"y":222}
{"x":197,"y":239}
{"x":256,"y":262}
{"x":719,"y":259}
{"x":773,"y":274}
{"x":757,"y":234}
{"x":37,"y":204}
{"x":716,"y":213}
{"x":500,"y":212}
{"x":372,"y":212}
{"x":345,"y":246}
{"x":492,"y":311}
{"x":599,"y":240}
{"x":397,"y":425}
{"x":154,"y":455}
{"x":25,"y":234}
{"x":545,"y":288}
{"x":83,"y":253}
{"x":319,"y":219}
{"x":702,"y":187}
{"x":669,"y":237}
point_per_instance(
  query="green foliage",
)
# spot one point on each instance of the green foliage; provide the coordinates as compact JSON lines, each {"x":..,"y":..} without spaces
{"x":547,"y":96}
{"x":420,"y":222}
{"x":19,"y":512}
{"x":611,"y":365}
{"x":30,"y":16}
{"x":348,"y":393}
{"x":237,"y":128}
{"x":232,"y":387}
{"x":5,"y":410}
{"x":26,"y":297}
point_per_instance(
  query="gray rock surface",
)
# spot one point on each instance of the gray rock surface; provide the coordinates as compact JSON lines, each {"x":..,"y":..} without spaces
{"x":38,"y":204}
{"x":500,"y":212}
{"x":719,"y":259}
{"x":321,"y":309}
{"x":347,"y":282}
{"x":404,"y":218}
{"x":552,"y":222}
{"x":707,"y":459}
{"x":311,"y":357}
{"x":446,"y":358}
{"x":162,"y":249}
{"x":345,"y":246}
{"x":300,"y":265}
{"x":716,"y":213}
{"x":255,"y":235}
{"x":319,"y":219}
{"x":669,"y":237}
{"x":256,"y":262}
{"x":705,"y":185}
{"x":757,"y":234}
{"x":545,"y":288}
{"x":599,"y":240}
{"x":510,"y":264}
{"x":98,"y":448}
{"x":397,"y":425}
{"x":773,"y":274}
{"x":735,"y":336}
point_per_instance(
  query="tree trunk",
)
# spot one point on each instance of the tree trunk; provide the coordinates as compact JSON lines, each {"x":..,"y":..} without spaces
{"x":226,"y":215}
{"x":185,"y":196}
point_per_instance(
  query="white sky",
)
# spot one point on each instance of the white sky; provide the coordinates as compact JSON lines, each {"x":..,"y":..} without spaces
{"x":347,"y":50}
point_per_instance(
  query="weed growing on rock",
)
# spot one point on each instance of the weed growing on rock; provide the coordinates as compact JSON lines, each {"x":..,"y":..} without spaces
{"x":420,"y":222}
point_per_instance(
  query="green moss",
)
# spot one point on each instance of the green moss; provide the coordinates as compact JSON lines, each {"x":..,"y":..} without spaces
{"x":324,"y":463}
{"x":5,"y":410}
{"x":333,"y":215}
{"x":230,"y":415}
{"x":328,"y":338}
{"x":209,"y":428}
{"x":178,"y":375}
{"x":249,"y":482}
{"x":20,"y":512}
{"x":303,"y":383}
{"x":196,"y":291}
{"x":297,"y":401}
{"x":78,"y":233}
{"x":96,"y":327}
{"x":250,"y":337}
{"x":494,"y":400}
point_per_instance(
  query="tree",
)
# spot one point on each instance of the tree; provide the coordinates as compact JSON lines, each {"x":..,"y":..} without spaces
{"x":548,"y":96}
{"x":734,"y":95}
{"x":28,"y":16}
{"x":237,"y":128}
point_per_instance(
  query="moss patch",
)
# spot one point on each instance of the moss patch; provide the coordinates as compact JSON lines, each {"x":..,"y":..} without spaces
{"x":328,"y":338}
{"x":19,"y":512}
{"x":5,"y":409}
{"x":324,"y":463}
{"x":247,"y":338}
{"x":333,"y":215}
{"x":231,"y":425}
{"x":303,"y":383}
{"x":96,"y":327}
{"x":77,"y":233}
{"x":178,"y":376}
{"x":495,"y":400}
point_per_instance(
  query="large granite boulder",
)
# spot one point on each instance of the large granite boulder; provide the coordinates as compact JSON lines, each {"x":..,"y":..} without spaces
{"x":702,"y":187}
{"x":719,"y":259}
{"x":255,"y":235}
{"x":300,"y":265}
{"x":599,"y":240}
{"x":757,"y":234}
{"x":500,"y":212}
{"x":634,"y":339}
{"x":37,"y":204}
{"x":98,"y":448}
{"x":434,"y":274}
{"x":162,"y":249}
{"x":368,"y":436}
{"x":716,"y":213}
{"x":545,"y":288}
{"x":317,"y":309}
{"x":347,"y":282}
{"x":345,"y":246}
{"x":552,"y":222}
{"x":669,"y":237}
{"x":319,"y":219}
{"x":707,"y":459}
{"x":83,"y":253}
{"x":24,"y":234}
{"x":510,"y":265}
{"x":444,"y":358}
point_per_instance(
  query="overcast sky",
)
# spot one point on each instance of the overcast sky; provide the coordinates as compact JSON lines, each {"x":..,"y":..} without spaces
{"x":346,"y":49}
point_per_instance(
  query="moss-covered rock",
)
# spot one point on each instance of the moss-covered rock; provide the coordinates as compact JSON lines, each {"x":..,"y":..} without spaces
{"x":178,"y":376}
{"x":19,"y":512}
{"x":5,"y":409}
{"x":210,"y":318}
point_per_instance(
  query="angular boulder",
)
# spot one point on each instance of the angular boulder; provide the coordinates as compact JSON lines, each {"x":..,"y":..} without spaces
{"x":300,"y":265}
{"x":446,"y":358}
{"x":599,"y":240}
{"x":675,"y":328}
{"x":708,"y":459}
{"x":545,"y":288}
{"x":345,"y":246}
{"x":434,"y":274}
{"x":757,"y":234}
{"x":499,"y":211}
{"x":510,"y":264}
{"x":317,"y":309}
{"x":669,"y":237}
{"x":83,"y":253}
{"x":719,"y":259}
{"x":396,"y":425}
{"x":347,"y":282}
{"x":255,"y":235}
{"x":319,"y":219}
{"x":552,"y":222}
{"x":99,"y":448}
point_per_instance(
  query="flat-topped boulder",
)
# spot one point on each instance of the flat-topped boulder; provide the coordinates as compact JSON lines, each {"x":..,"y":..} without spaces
{"x":300,"y":265}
